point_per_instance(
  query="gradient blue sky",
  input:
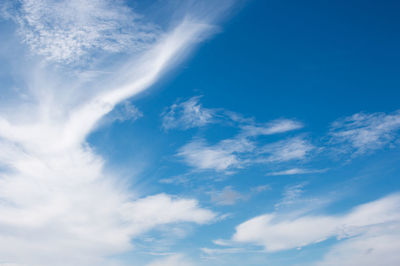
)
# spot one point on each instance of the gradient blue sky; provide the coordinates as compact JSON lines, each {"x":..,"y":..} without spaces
{"x":199,"y":133}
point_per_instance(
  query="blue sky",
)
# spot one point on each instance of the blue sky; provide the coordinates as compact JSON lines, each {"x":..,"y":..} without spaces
{"x":192,"y":133}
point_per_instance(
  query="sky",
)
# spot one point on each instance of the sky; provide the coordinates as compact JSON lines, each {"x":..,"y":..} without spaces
{"x":190,"y":133}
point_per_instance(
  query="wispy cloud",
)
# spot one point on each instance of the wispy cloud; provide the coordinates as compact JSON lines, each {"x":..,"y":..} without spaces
{"x":362,"y":133}
{"x":294,"y":202}
{"x":261,"y":188}
{"x":275,"y":233}
{"x":57,"y":202}
{"x":187,"y":114}
{"x":273,"y":127}
{"x":67,"y":31}
{"x":239,"y":150}
{"x":172,"y":260}
{"x":226,"y":196}
{"x":296,"y":171}
{"x":219,"y":157}
{"x":218,"y":251}
{"x":286,"y":150}
{"x":291,"y":195}
{"x":121,"y":113}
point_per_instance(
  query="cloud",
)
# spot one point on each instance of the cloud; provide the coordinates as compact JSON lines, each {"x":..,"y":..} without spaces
{"x":296,"y":171}
{"x":191,"y":114}
{"x":220,"y":157}
{"x":230,"y":153}
{"x":173,"y":260}
{"x":240,"y":151}
{"x":262,"y":188}
{"x":379,"y":246}
{"x":273,"y":127}
{"x":66,"y":31}
{"x":362,"y":133}
{"x":226,"y":196}
{"x":123,"y":112}
{"x":293,"y":203}
{"x":235,"y":152}
{"x":286,"y":150}
{"x":218,"y":251}
{"x":54,"y":207}
{"x":291,"y":195}
{"x":188,"y":114}
{"x":275,"y":233}
{"x":57,"y":204}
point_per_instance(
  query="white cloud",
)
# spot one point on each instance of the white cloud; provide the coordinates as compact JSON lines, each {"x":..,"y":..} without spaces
{"x":220,"y":157}
{"x":296,"y":171}
{"x":286,"y":150}
{"x":379,"y":246}
{"x":66,"y":31}
{"x":123,"y":112}
{"x":173,"y":260}
{"x":64,"y":208}
{"x":188,"y":114}
{"x":362,"y":133}
{"x":161,"y":209}
{"x":218,"y":251}
{"x":291,"y":195}
{"x":57,"y":204}
{"x":273,"y":127}
{"x":275,"y":233}
{"x":240,"y":150}
{"x":230,"y":153}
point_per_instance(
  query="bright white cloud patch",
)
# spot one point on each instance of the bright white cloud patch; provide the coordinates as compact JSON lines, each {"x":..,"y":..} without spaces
{"x":66,"y":31}
{"x":363,"y":222}
{"x":361,"y":133}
